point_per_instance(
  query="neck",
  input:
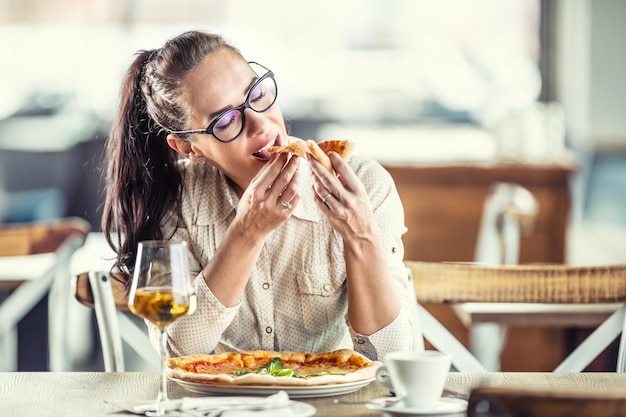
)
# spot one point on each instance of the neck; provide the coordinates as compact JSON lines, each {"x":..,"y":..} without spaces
{"x":238,"y":189}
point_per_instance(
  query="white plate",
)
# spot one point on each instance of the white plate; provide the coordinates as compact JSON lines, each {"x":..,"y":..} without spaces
{"x":296,"y":391}
{"x":444,"y":406}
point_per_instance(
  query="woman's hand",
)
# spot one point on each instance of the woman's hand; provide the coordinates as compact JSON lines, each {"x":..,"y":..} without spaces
{"x":343,"y":200}
{"x":271,"y":196}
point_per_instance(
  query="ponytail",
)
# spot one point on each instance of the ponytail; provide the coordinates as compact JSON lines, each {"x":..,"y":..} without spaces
{"x":142,"y":182}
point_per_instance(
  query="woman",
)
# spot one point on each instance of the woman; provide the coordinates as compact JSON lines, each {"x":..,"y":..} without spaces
{"x":286,"y":256}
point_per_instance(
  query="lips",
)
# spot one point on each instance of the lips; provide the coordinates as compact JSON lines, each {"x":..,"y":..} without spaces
{"x":263,"y":154}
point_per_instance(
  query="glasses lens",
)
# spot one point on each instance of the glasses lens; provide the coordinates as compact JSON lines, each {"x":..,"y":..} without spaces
{"x":263,"y":95}
{"x":228,"y":125}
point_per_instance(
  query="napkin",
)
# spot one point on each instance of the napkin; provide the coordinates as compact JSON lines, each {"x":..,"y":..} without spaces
{"x":280,"y":399}
{"x":226,"y":404}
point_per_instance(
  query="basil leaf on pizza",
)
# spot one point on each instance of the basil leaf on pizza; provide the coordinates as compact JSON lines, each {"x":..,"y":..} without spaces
{"x":275,"y":367}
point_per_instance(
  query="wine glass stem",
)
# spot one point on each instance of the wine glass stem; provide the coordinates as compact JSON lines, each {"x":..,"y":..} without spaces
{"x":163,"y":390}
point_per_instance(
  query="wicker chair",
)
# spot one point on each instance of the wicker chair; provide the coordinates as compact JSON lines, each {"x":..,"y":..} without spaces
{"x":456,"y":283}
{"x":35,"y":261}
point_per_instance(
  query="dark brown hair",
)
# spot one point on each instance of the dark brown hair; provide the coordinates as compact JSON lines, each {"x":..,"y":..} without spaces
{"x":142,"y":181}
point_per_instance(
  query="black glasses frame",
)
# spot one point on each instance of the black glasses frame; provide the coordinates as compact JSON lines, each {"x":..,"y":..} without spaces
{"x":246,"y":105}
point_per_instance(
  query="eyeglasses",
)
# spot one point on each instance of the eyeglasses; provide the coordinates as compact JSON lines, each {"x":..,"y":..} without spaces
{"x":229,"y":124}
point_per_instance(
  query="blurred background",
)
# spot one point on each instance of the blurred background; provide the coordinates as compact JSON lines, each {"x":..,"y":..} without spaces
{"x":531,"y":83}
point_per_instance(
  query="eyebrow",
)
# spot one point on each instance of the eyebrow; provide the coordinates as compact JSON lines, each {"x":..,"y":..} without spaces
{"x":223,"y":109}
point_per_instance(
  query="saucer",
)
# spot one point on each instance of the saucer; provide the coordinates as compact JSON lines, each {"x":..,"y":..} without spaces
{"x":445,"y":406}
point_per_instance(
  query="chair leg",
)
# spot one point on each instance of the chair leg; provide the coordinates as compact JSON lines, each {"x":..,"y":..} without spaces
{"x":58,"y":304}
{"x":8,"y":350}
{"x":16,"y":306}
{"x":486,"y":343}
{"x":621,"y":355}
{"x":595,"y":343}
{"x":106,"y":316}
{"x":137,"y":338}
{"x":444,"y":341}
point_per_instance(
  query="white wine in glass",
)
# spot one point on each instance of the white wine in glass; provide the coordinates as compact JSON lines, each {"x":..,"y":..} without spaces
{"x":161,"y":292}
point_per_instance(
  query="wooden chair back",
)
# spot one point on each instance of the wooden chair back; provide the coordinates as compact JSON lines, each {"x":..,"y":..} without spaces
{"x":107,"y":294}
{"x":28,"y":277}
{"x":18,"y":239}
{"x":85,"y":295}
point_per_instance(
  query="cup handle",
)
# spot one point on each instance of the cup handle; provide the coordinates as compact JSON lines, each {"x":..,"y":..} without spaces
{"x":382,"y":377}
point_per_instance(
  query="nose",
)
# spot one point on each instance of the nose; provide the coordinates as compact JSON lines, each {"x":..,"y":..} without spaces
{"x":255,"y":122}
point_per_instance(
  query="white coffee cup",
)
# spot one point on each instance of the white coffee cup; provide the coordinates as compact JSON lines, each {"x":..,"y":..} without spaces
{"x":418,"y":378}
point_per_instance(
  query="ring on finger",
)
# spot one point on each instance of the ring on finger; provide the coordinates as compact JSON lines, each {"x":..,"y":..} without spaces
{"x":326,"y":197}
{"x":286,"y":206}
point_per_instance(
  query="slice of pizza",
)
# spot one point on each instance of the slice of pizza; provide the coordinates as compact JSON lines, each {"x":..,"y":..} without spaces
{"x":298,"y":147}
{"x":343,"y":147}
{"x":318,"y":150}
{"x":260,"y":367}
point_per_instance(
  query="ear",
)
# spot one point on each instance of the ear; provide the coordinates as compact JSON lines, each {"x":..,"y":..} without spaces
{"x":180,"y":145}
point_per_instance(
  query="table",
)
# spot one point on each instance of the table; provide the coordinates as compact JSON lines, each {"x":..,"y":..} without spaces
{"x":444,"y":205}
{"x":489,"y":323}
{"x":545,"y":315}
{"x":80,"y":394}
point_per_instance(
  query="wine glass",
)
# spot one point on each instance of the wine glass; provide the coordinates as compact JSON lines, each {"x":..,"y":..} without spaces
{"x":161,"y":292}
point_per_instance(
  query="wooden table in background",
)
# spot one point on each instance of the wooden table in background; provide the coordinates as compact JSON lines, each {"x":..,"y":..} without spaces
{"x":443,"y":206}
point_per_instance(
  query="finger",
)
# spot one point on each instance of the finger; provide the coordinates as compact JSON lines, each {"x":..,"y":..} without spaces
{"x":331,"y":206}
{"x":321,"y":193}
{"x":325,"y":180}
{"x":319,"y":200}
{"x":284,"y":177}
{"x":266,"y":175}
{"x":326,"y":199}
{"x":288,"y":206}
{"x":292,"y":189}
{"x":343,"y":170}
{"x":317,"y":167}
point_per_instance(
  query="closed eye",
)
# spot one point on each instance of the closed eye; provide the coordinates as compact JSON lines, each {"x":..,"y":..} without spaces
{"x":257,"y":94}
{"x":227,"y":120}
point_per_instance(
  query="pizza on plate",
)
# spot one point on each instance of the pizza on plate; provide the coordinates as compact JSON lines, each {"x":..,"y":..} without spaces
{"x":262,"y":367}
{"x":318,"y":150}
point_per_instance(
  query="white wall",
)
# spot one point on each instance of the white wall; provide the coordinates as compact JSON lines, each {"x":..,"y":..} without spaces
{"x":608,"y":74}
